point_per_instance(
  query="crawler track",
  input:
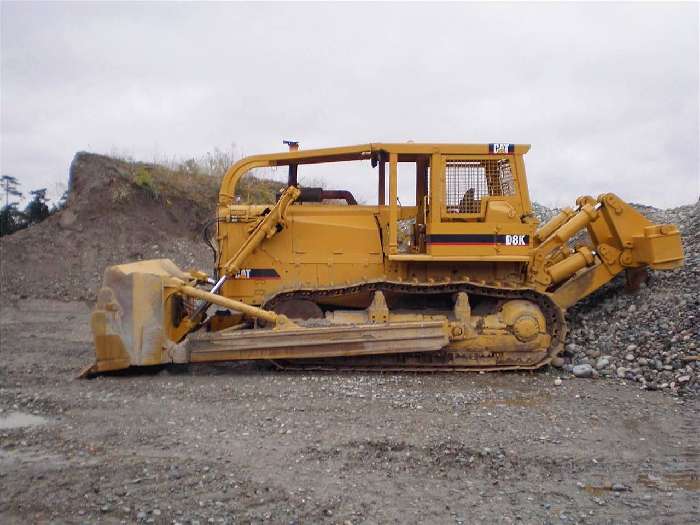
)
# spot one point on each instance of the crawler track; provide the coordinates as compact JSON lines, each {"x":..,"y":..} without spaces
{"x":442,"y":360}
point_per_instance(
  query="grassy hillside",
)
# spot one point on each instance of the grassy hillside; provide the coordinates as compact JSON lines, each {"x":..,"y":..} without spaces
{"x":164,"y":183}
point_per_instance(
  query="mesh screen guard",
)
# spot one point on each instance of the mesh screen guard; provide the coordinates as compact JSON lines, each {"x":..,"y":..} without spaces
{"x":467,"y":181}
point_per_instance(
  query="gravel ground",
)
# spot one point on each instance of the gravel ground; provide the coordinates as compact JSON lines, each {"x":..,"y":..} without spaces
{"x":224,"y":444}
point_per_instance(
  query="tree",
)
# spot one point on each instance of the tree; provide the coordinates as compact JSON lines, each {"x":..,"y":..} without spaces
{"x":9,"y":186}
{"x":37,"y":210}
{"x":11,"y":219}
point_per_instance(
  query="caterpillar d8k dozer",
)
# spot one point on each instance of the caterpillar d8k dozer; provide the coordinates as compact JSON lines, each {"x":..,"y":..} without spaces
{"x":465,"y":279}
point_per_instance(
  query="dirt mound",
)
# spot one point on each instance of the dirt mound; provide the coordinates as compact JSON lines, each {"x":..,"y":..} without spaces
{"x":116,"y":212}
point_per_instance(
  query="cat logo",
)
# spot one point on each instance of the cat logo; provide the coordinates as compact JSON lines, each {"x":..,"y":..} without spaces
{"x":258,"y":274}
{"x":517,"y":240}
{"x":501,"y":148}
{"x":243,"y":273}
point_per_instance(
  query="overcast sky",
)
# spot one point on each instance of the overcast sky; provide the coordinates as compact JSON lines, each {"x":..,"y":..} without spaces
{"x":607,"y":94}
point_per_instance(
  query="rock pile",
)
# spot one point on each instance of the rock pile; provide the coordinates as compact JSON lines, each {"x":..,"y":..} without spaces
{"x":651,"y":336}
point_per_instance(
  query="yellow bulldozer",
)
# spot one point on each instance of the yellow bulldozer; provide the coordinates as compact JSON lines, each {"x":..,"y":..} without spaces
{"x":465,"y":278}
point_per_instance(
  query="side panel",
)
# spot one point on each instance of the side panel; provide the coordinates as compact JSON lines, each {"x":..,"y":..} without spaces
{"x":323,"y":234}
{"x":322,"y":246}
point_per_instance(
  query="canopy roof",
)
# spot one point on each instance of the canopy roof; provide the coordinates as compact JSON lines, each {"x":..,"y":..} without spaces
{"x":407,"y":151}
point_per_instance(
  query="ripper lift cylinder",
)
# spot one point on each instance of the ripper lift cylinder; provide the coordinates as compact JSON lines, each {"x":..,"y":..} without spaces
{"x":572,"y":264}
{"x":555,"y":222}
{"x":577,"y":223}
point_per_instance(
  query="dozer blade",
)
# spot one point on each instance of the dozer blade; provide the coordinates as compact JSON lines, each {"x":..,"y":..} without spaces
{"x":134,"y":317}
{"x":128,"y":320}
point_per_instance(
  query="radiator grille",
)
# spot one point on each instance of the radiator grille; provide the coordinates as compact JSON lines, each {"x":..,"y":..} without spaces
{"x":467,"y":181}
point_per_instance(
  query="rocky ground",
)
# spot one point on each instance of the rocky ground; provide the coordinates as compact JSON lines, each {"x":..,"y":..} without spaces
{"x":226,"y":444}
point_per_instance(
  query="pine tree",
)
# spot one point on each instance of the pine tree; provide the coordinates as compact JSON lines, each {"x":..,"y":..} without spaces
{"x":37,"y":210}
{"x":9,"y":186}
{"x":11,"y":219}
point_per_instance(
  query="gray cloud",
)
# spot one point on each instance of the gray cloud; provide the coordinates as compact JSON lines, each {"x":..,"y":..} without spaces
{"x":606,"y":93}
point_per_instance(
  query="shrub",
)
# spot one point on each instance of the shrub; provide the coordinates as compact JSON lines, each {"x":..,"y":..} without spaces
{"x":144,"y":180}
